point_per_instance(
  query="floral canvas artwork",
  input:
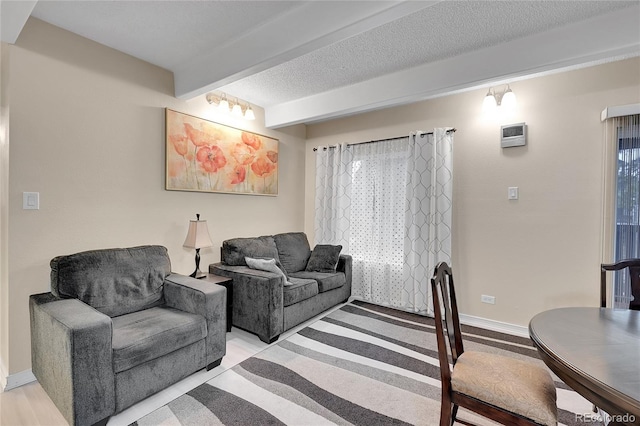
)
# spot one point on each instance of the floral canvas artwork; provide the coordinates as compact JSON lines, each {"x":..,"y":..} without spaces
{"x":211,"y":157}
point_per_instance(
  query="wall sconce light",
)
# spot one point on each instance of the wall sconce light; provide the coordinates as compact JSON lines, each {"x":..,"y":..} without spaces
{"x":494,"y":99}
{"x":234,"y":107}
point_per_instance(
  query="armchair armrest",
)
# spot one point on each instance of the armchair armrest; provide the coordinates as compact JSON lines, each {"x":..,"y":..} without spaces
{"x":258,"y":300}
{"x":71,"y":357}
{"x":202,"y":298}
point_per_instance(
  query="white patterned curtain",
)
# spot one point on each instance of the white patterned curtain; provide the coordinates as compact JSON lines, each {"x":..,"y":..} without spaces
{"x":388,"y":203}
{"x":333,"y":195}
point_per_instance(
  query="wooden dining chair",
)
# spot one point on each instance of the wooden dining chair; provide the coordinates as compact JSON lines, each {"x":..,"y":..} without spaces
{"x":507,"y":390}
{"x":633,"y":266}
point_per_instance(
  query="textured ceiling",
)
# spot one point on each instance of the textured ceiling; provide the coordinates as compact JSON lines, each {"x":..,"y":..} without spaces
{"x":306,"y":61}
{"x":441,"y":31}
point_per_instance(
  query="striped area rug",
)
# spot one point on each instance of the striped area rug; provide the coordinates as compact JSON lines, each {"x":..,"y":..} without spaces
{"x":360,"y":365}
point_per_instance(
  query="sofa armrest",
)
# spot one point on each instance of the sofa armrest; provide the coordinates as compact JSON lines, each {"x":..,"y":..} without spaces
{"x":71,"y":357}
{"x":258,"y":300}
{"x":202,"y":298}
{"x":345,"y":264}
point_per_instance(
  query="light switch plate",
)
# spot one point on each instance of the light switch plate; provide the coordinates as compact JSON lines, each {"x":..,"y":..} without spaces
{"x":31,"y":201}
{"x":513,"y":193}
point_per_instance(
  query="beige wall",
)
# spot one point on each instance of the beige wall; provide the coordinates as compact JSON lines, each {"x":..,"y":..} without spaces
{"x":87,"y":133}
{"x":543,"y":250}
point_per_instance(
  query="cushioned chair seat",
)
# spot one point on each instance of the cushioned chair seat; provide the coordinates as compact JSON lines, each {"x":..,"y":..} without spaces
{"x":511,"y":384}
{"x":145,"y":335}
{"x":299,"y":290}
{"x":326,"y":281}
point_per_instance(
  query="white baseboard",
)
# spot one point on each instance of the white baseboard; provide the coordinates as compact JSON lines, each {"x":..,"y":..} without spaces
{"x":488,"y":324}
{"x":13,"y":381}
{"x":502,"y":327}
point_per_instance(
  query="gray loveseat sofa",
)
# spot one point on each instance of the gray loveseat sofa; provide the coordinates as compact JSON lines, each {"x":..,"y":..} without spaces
{"x":266,"y":303}
{"x":118,"y":326}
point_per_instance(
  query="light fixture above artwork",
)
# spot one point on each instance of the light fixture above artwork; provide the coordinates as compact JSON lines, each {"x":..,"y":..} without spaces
{"x":494,"y":98}
{"x":235,"y":106}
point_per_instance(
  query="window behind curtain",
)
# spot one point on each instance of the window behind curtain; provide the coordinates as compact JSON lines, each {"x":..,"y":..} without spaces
{"x":388,"y":204}
{"x":627,"y":233}
{"x":378,"y":195}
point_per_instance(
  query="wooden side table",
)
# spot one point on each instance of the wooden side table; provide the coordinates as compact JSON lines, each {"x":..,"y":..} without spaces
{"x":228,"y":284}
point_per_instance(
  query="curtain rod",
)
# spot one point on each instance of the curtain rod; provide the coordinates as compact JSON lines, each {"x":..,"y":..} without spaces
{"x":387,"y":139}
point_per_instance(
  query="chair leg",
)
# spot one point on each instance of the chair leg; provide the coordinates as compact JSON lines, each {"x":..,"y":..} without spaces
{"x":102,"y":422}
{"x":269,"y":341}
{"x":446,"y":418}
{"x":214,"y":364}
{"x":454,"y":413}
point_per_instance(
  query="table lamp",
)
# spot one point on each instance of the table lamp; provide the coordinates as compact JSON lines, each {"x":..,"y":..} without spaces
{"x":197,"y":238}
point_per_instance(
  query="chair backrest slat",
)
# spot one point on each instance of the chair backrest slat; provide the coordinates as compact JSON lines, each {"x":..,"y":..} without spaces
{"x":447,"y":325}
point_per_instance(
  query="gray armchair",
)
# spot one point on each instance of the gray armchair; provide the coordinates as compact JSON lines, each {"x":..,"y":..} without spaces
{"x":118,"y":326}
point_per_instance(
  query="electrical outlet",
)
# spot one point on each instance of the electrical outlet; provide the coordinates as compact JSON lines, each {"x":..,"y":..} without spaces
{"x":488,"y":299}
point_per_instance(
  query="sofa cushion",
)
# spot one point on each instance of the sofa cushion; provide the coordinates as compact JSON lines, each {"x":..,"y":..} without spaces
{"x":326,"y":281}
{"x":235,"y":250}
{"x":324,"y":258}
{"x":299,"y":290}
{"x":149,"y":334}
{"x":293,"y":250}
{"x":113,"y":281}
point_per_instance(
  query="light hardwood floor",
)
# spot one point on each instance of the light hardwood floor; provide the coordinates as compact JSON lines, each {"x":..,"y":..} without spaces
{"x":29,"y":405}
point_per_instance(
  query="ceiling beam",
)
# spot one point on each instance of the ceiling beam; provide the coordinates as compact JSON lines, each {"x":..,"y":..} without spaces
{"x":611,"y":36}
{"x":13,"y":17}
{"x":287,"y":37}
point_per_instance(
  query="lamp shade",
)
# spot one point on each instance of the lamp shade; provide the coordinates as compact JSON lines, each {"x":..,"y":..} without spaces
{"x":223,"y":106}
{"x":509,"y":99}
{"x":198,"y":235}
{"x":237,"y":109}
{"x":489,"y":103}
{"x":248,"y":114}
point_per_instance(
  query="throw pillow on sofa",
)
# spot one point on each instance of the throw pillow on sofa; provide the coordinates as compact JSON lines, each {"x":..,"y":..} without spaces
{"x":268,"y":265}
{"x":324,"y":258}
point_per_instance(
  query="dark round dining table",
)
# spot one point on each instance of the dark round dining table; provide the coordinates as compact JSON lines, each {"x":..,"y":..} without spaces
{"x":595,"y":351}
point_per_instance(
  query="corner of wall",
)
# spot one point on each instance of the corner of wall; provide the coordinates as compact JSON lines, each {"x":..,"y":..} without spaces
{"x":4,"y":210}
